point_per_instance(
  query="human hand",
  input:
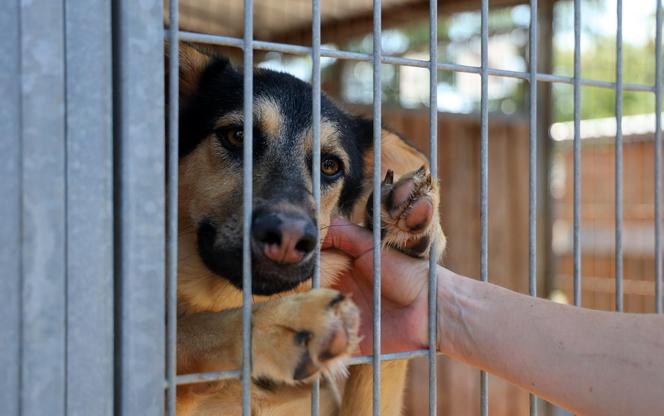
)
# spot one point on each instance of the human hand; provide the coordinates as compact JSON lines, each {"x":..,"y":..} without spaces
{"x":403,"y":283}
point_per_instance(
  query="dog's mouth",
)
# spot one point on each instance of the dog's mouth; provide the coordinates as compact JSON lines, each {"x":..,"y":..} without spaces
{"x":268,"y":277}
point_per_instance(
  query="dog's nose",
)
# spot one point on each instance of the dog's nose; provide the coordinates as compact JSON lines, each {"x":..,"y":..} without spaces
{"x":284,"y":238}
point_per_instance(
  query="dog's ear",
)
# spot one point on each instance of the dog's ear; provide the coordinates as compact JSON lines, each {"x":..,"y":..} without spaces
{"x":194,"y":61}
{"x":397,"y":152}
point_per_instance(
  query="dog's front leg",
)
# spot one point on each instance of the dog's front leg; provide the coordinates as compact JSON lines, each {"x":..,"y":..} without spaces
{"x":294,"y":338}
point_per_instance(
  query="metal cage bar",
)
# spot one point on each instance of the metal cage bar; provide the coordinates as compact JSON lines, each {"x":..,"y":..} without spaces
{"x":394,"y":60}
{"x":207,"y":377}
{"x":247,"y":192}
{"x":532,"y":168}
{"x":577,"y":153}
{"x":172,"y":203}
{"x":619,"y":160}
{"x":315,"y":157}
{"x":484,"y":179}
{"x":432,"y":319}
{"x":377,"y":130}
{"x":658,"y":160}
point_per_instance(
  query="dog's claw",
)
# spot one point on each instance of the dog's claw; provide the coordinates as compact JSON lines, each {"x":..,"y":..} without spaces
{"x":389,"y":177}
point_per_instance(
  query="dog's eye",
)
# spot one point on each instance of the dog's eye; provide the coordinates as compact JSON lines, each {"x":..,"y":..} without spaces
{"x":330,"y":166}
{"x":232,"y":138}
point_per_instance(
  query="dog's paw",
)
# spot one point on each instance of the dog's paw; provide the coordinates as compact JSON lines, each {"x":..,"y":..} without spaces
{"x":409,"y":213}
{"x":300,"y":336}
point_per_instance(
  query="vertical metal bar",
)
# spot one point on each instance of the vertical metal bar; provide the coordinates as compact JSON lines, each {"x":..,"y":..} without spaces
{"x":43,"y":364}
{"x":377,"y":131}
{"x":10,"y":208}
{"x":140,"y":206}
{"x":247,"y":204}
{"x":532,"y":168}
{"x":89,"y":208}
{"x":433,"y":162}
{"x":172,"y":203}
{"x":315,"y":132}
{"x":658,"y":161}
{"x":577,"y":153}
{"x":619,"y":160}
{"x":484,"y":179}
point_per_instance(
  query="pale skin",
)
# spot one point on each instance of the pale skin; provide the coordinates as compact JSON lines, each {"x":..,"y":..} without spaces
{"x":589,"y":362}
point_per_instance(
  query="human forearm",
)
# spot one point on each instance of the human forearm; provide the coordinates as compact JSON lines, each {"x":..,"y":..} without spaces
{"x":590,"y":362}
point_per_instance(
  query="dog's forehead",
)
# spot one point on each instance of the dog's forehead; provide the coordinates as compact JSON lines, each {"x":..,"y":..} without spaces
{"x":269,"y":116}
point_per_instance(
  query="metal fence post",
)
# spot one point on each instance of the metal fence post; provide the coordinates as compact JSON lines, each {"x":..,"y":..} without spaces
{"x":139,"y":206}
{"x":10,"y":208}
{"x":43,"y":337}
{"x":89,"y":208}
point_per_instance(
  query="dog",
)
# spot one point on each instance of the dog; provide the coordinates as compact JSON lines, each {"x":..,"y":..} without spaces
{"x":298,"y":334}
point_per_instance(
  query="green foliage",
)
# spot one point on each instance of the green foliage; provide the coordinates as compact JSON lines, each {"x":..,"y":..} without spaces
{"x":598,"y":62}
{"x":461,"y":32}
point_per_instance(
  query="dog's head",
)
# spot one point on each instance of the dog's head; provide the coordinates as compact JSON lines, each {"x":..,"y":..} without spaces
{"x":284,"y":228}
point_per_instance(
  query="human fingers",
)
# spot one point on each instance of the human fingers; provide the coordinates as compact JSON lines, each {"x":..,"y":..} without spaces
{"x":348,"y":237}
{"x":403,"y":278}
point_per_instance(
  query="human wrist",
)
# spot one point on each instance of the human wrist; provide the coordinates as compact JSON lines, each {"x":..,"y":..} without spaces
{"x":443,"y":302}
{"x":451,"y":313}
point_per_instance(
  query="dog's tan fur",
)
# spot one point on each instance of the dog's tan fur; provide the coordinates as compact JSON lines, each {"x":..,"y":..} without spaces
{"x":209,"y":328}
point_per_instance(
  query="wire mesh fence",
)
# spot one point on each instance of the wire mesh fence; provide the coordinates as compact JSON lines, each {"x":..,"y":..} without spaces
{"x":376,"y":58}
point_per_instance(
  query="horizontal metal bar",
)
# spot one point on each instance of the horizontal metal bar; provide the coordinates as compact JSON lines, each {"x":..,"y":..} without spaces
{"x":205,"y":377}
{"x":367,"y":359}
{"x":395,"y":60}
{"x":225,"y":375}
